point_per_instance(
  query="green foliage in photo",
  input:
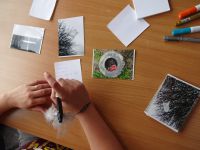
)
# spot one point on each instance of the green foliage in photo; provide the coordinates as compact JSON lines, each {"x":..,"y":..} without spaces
{"x":97,"y":55}
{"x":126,"y":74}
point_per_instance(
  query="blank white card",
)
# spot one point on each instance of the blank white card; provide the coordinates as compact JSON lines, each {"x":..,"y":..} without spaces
{"x":70,"y":69}
{"x":126,"y":27}
{"x":145,"y":8}
{"x":42,"y":9}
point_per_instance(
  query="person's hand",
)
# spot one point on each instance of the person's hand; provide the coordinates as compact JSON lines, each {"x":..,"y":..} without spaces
{"x":33,"y":96}
{"x":73,"y":93}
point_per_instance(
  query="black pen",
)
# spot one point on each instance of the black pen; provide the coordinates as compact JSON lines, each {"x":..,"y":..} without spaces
{"x":60,"y":109}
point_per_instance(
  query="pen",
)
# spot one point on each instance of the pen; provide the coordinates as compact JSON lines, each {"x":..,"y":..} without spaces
{"x":186,"y":30}
{"x":189,"y":11}
{"x":60,"y":109}
{"x":178,"y":38}
{"x":183,"y":21}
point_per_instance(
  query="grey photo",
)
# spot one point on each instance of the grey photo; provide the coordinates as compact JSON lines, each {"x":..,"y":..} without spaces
{"x":71,"y":37}
{"x":173,"y":102}
{"x":27,"y":38}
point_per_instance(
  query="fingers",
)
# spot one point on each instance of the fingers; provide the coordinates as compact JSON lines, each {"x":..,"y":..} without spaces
{"x":61,"y":81}
{"x":53,"y":96}
{"x":54,"y":84}
{"x":40,"y":86}
{"x":38,"y":108}
{"x":40,"y":104}
{"x":41,"y":93}
{"x":40,"y":101}
{"x":37,"y":82}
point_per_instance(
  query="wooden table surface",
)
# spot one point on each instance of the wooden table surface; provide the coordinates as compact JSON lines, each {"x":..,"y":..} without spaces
{"x":121,"y":103}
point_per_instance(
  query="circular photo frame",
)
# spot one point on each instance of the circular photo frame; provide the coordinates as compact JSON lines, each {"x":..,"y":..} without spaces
{"x":111,"y":64}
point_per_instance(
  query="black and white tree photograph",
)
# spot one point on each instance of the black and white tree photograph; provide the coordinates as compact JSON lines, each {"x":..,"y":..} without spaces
{"x":173,"y":102}
{"x":71,"y":37}
{"x":27,"y":38}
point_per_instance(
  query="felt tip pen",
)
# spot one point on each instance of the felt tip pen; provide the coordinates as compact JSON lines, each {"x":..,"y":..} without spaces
{"x":186,"y":20}
{"x":60,"y":110}
{"x":186,"y":30}
{"x":178,"y":38}
{"x":189,"y":11}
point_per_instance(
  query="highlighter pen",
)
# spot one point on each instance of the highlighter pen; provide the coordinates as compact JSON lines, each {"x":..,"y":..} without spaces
{"x":193,"y":17}
{"x":186,"y":30}
{"x":178,"y":38}
{"x":60,"y":109}
{"x":189,"y":11}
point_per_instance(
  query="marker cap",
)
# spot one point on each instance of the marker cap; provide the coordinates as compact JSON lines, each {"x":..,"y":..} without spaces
{"x":181,"y":31}
{"x":187,"y":12}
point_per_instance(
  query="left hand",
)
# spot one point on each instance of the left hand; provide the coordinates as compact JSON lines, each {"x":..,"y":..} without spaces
{"x":33,"y":96}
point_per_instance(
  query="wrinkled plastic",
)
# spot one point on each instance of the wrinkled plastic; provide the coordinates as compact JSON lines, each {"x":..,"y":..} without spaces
{"x":51,"y":117}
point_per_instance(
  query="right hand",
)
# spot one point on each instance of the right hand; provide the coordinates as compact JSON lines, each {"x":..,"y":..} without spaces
{"x":72,"y":92}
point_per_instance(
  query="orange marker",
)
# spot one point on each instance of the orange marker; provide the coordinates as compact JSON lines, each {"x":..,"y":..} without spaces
{"x":189,"y":11}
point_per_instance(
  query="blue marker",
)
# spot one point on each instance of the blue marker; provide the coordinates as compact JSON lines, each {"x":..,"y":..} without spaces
{"x":185,"y":30}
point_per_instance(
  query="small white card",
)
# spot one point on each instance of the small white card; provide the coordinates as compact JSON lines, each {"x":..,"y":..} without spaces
{"x":126,"y":27}
{"x":42,"y":9}
{"x":27,"y":38}
{"x":145,"y":8}
{"x":70,"y":69}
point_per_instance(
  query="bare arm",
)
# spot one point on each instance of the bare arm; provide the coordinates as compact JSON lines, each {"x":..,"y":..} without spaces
{"x":75,"y":96}
{"x":98,"y":133}
{"x":4,"y":104}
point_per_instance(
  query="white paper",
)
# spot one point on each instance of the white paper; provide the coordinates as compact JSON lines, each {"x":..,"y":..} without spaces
{"x":71,"y":36}
{"x":42,"y":9}
{"x":70,"y":69}
{"x":126,"y":27}
{"x":145,"y":8}
{"x":27,"y":38}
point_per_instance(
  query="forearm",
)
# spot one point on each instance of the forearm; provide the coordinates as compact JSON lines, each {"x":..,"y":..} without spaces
{"x":4,"y":104}
{"x":98,"y":133}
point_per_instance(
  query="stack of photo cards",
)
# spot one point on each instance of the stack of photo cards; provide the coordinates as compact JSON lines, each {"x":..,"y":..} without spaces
{"x":118,"y":64}
{"x":126,"y":27}
{"x":71,"y":37}
{"x":173,"y":102}
{"x":70,"y":69}
{"x":42,"y":9}
{"x":145,"y":8}
{"x":27,"y":38}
